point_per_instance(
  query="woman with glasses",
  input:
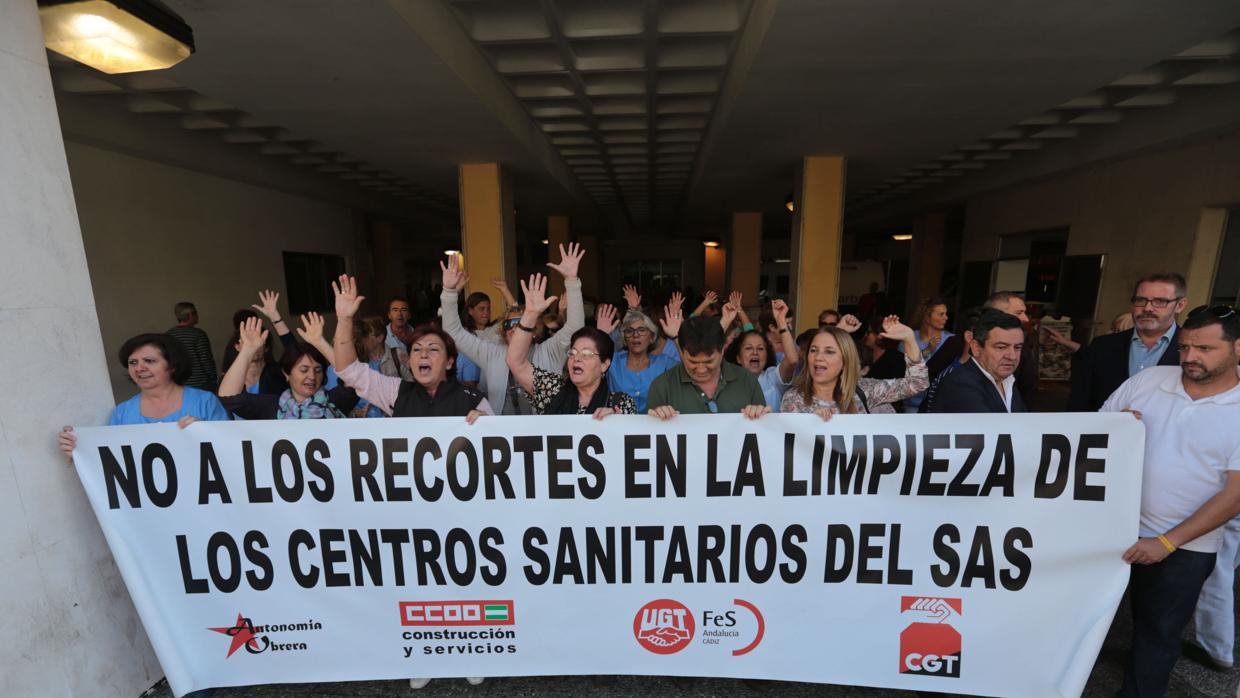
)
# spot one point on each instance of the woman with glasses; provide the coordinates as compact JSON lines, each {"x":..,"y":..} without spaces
{"x":584,"y":389}
{"x":635,"y":367}
{"x":831,"y":381}
{"x":434,"y":390}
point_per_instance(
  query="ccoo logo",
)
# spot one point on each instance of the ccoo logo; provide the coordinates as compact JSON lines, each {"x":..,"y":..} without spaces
{"x":663,"y":626}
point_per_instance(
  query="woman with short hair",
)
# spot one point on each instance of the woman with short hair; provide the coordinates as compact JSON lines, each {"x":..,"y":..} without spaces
{"x":159,"y":366}
{"x":582,"y":387}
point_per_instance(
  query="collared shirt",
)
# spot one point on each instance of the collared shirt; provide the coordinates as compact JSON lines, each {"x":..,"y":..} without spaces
{"x":1009,"y":384}
{"x":1141,"y":358}
{"x":393,"y":341}
{"x":737,"y":388}
{"x":1190,"y":447}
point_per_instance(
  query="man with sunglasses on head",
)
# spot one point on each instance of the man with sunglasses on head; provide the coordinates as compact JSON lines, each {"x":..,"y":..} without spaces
{"x":1114,"y":358}
{"x":704,"y":383}
{"x":1190,"y":486}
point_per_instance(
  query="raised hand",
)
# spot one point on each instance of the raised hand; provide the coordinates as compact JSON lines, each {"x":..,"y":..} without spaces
{"x":677,"y":300}
{"x":502,"y":286}
{"x":454,"y":276}
{"x":632,"y":297}
{"x":347,"y":300}
{"x":311,"y":329}
{"x":779,"y":310}
{"x":710,"y":298}
{"x":736,"y":299}
{"x":849,"y":323}
{"x":253,"y":336}
{"x":535,"y":292}
{"x":268,"y":304}
{"x":569,"y":260}
{"x":727,"y":314}
{"x":605,"y":318}
{"x":893,"y":329}
{"x":671,"y":321}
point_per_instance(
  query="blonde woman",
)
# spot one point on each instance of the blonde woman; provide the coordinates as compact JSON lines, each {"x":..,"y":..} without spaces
{"x":831,"y":381}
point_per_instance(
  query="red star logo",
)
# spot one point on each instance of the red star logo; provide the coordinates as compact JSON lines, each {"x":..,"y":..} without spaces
{"x":242,"y":634}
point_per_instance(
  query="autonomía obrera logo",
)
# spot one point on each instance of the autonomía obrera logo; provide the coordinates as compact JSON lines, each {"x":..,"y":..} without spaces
{"x":289,"y":637}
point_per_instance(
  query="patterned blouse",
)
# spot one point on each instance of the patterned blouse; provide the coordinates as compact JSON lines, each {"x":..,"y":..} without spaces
{"x":547,"y":385}
{"x":879,"y":392}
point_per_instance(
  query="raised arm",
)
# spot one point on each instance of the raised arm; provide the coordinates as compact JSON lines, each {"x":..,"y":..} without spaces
{"x":268,"y":306}
{"x":253,"y":341}
{"x":311,"y":332}
{"x":468,"y":343}
{"x":787,"y":343}
{"x":605,"y":319}
{"x":672,"y":318}
{"x":893,"y":329}
{"x":708,"y":298}
{"x":554,"y":351}
{"x":502,"y":286}
{"x":347,"y":303}
{"x":737,"y":299}
{"x":632,"y":297}
{"x":519,"y":344}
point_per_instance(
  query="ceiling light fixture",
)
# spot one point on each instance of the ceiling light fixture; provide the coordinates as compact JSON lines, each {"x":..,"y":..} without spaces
{"x":546,"y":242}
{"x":790,"y":204}
{"x":902,"y":237}
{"x":116,"y":36}
{"x":449,"y":253}
{"x":712,"y":242}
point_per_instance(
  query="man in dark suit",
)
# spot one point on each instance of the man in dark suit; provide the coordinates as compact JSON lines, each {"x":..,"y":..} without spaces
{"x":1154,"y":341}
{"x":986,"y":382}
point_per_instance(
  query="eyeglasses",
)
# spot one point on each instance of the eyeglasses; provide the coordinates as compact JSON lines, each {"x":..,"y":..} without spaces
{"x":583,"y":353}
{"x":636,"y":331}
{"x":1160,"y":303}
{"x":511,"y":322}
{"x":1218,"y":311}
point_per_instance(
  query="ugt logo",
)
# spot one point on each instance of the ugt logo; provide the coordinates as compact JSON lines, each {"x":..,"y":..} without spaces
{"x":663,"y":626}
{"x":930,"y":646}
{"x":243,"y":634}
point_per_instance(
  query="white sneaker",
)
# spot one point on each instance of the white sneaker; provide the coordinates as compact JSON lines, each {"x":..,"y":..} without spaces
{"x":418,"y":683}
{"x":474,"y":680}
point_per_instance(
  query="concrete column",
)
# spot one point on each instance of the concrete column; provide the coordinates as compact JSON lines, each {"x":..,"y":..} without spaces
{"x":745,"y":260}
{"x":717,"y":272}
{"x":925,"y":270}
{"x":816,"y":235}
{"x":488,"y":238}
{"x":1203,"y":263}
{"x":69,"y":627}
{"x":557,"y":234}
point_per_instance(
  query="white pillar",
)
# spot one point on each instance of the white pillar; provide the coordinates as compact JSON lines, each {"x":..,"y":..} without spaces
{"x":69,"y":627}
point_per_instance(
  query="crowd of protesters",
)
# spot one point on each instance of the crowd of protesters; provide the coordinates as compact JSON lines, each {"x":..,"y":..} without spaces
{"x":540,"y":355}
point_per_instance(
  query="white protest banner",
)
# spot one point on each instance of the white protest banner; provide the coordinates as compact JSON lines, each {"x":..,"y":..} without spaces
{"x":963,"y":553}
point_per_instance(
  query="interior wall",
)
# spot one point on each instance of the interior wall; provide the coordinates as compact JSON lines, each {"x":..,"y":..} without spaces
{"x":157,"y":234}
{"x":1142,"y":212}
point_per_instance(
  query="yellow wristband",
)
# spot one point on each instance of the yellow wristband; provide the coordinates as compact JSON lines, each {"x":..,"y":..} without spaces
{"x":1166,"y":543}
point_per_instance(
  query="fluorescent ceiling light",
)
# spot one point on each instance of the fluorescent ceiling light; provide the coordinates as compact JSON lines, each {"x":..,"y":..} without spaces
{"x":116,"y":36}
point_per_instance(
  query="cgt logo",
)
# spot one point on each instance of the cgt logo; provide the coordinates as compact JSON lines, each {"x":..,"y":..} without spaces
{"x":930,"y":646}
{"x":450,"y":613}
{"x":663,"y":626}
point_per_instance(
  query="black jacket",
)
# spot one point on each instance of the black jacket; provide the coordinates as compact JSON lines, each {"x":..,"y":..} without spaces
{"x":968,"y":390}
{"x":1104,"y":367}
{"x":452,"y":399}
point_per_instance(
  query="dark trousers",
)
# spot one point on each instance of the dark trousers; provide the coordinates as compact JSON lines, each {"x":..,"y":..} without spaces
{"x":1163,"y":597}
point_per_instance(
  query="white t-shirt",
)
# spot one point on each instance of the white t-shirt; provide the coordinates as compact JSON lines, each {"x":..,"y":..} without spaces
{"x":1190,"y":446}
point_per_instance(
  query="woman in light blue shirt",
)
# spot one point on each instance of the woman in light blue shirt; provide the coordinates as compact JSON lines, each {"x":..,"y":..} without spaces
{"x":634,"y":368}
{"x":159,"y":366}
{"x":931,"y":320}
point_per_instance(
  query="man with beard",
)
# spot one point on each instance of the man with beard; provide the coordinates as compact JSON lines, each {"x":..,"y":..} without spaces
{"x":1190,"y":486}
{"x":1114,"y":358}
